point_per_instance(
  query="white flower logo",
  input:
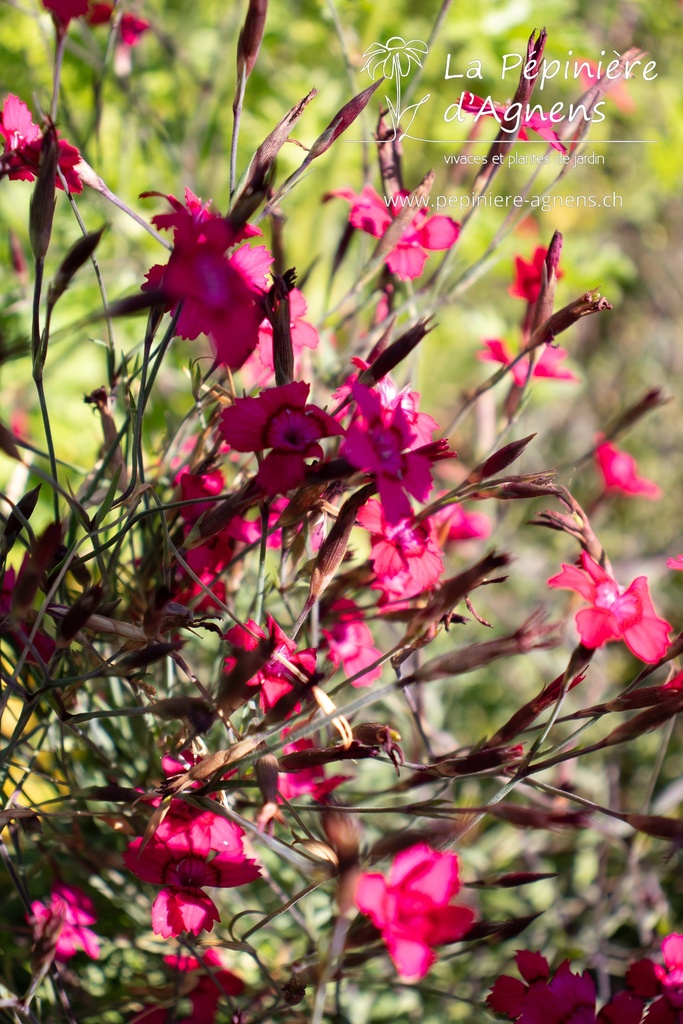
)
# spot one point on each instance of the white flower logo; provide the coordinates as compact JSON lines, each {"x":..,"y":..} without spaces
{"x":395,"y":59}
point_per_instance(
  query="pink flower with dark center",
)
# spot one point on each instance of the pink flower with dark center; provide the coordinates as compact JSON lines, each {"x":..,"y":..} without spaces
{"x":413,"y":909}
{"x":279,"y":419}
{"x":22,"y":145}
{"x":505,"y":115}
{"x":77,"y":911}
{"x":497,"y":351}
{"x":350,"y":641}
{"x":423,"y":235}
{"x":664,"y":984}
{"x":616,"y":614}
{"x":405,"y":555}
{"x":275,"y":679}
{"x":222,"y":295}
{"x":380,"y":442}
{"x":183,"y":869}
{"x":619,"y":472}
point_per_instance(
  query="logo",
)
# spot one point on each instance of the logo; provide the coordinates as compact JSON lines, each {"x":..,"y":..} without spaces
{"x":395,"y":60}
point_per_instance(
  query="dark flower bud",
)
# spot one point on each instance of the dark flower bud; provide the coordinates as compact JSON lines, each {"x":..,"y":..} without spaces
{"x":77,"y":255}
{"x":43,"y":199}
{"x":250,"y":37}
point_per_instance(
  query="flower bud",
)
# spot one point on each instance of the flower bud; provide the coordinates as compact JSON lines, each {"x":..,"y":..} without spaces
{"x":250,"y":37}
{"x":77,"y":255}
{"x":42,"y":208}
{"x":341,"y":121}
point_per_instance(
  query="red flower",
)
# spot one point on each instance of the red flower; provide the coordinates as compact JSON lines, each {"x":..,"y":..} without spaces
{"x":529,"y":274}
{"x":537,"y":122}
{"x":566,"y":998}
{"x":380,"y":443}
{"x":65,"y":10}
{"x":279,"y":419}
{"x":76,"y":911}
{"x":180,"y":864}
{"x":424,"y":234}
{"x":222,"y":295}
{"x":208,"y":979}
{"x":350,"y":641}
{"x":22,"y":146}
{"x":616,"y":614}
{"x":413,"y":909}
{"x":547,"y":365}
{"x":405,"y":555}
{"x":649,"y":980}
{"x":275,"y":678}
{"x":619,"y":472}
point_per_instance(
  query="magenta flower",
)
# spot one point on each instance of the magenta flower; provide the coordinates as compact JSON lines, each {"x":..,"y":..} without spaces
{"x":350,"y":641}
{"x":529,"y":275}
{"x":180,"y":864}
{"x":405,"y":556}
{"x":304,"y":335}
{"x":222,"y":294}
{"x":309,"y":782}
{"x":649,"y":980}
{"x":208,"y":979}
{"x":615,"y":613}
{"x":537,"y":122}
{"x":619,"y":472}
{"x":279,"y":419}
{"x":675,"y":563}
{"x":65,"y":10}
{"x":459,"y":524}
{"x":131,"y":29}
{"x":565,"y":998}
{"x":22,"y":145}
{"x":77,"y":912}
{"x":496,"y":351}
{"x":275,"y":679}
{"x":380,"y":442}
{"x":413,"y":908}
{"x":423,"y":235}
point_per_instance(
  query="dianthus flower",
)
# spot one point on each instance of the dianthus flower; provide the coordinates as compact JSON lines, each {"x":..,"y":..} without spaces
{"x":177,"y":858}
{"x":131,"y":29}
{"x":76,"y":911}
{"x":423,"y":235}
{"x":261,"y":367}
{"x":496,"y":351}
{"x":676,"y":562}
{"x":537,"y":122}
{"x":279,"y":419}
{"x":459,"y":524}
{"x":65,"y":10}
{"x":565,"y":998}
{"x":405,"y":556}
{"x":309,"y":782}
{"x":350,"y":642}
{"x":413,"y":909}
{"x":22,"y":146}
{"x":380,"y":442}
{"x":275,"y":679}
{"x":619,"y":472}
{"x":529,"y":275}
{"x":664,"y":984}
{"x":616,"y":614}
{"x":208,"y":979}
{"x":222,"y":294}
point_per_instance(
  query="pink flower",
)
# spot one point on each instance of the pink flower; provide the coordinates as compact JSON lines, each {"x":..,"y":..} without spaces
{"x":22,"y":146}
{"x":65,"y":10}
{"x":77,"y":911}
{"x":131,"y":29}
{"x":537,"y":122}
{"x":222,"y":295}
{"x":304,"y":335}
{"x":350,"y":641}
{"x":529,"y":275}
{"x":616,"y":614}
{"x":279,"y":419}
{"x":675,"y":563}
{"x":380,"y":443}
{"x":405,"y":555}
{"x":547,"y":366}
{"x":565,"y":998}
{"x":413,"y":908}
{"x":209,"y":979}
{"x":424,"y":234}
{"x":461,"y":524}
{"x":649,"y":980}
{"x":309,"y":782}
{"x":179,"y":863}
{"x":619,"y":472}
{"x":275,"y":678}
